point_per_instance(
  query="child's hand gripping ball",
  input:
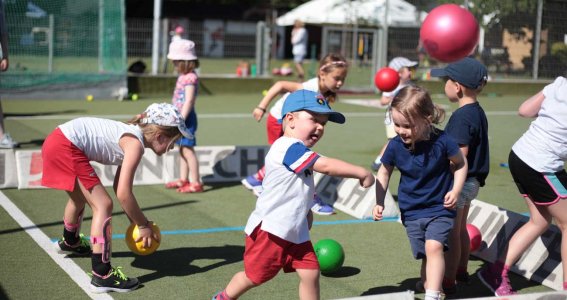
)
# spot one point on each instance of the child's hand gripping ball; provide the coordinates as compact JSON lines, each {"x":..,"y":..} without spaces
{"x":132,"y":234}
{"x":387,"y":79}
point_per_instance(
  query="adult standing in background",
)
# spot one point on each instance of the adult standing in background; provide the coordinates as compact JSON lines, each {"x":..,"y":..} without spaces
{"x":6,"y":141}
{"x":299,"y":50}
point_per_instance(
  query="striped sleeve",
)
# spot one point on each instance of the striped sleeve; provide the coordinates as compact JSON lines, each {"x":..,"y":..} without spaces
{"x":299,"y":158}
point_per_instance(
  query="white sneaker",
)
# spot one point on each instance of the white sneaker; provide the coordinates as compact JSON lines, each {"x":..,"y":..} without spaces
{"x":7,"y":142}
{"x":257,"y":190}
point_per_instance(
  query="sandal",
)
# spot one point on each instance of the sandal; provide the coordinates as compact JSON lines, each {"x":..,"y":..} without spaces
{"x":191,"y":187}
{"x":176,"y":184}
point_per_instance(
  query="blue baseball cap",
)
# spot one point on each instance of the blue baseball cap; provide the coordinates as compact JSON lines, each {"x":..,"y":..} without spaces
{"x":467,"y":71}
{"x":312,"y":102}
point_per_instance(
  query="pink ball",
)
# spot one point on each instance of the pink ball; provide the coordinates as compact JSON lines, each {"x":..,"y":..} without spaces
{"x":474,"y":236}
{"x":449,"y":33}
{"x":387,"y":79}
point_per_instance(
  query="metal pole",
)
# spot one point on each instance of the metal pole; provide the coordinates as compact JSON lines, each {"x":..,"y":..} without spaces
{"x":537,"y":39}
{"x":100,"y":34}
{"x":50,"y":44}
{"x":155,"y":37}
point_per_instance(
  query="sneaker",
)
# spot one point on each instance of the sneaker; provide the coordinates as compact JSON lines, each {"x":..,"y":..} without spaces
{"x":250,"y":182}
{"x":321,"y":208}
{"x":219,"y":296}
{"x":7,"y":142}
{"x":499,"y":285}
{"x":115,"y":281}
{"x":82,"y":248}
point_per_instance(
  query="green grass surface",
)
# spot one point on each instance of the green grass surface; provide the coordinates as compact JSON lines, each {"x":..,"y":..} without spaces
{"x":194,"y":266}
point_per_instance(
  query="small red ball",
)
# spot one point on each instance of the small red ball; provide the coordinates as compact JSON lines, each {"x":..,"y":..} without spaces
{"x":474,"y":236}
{"x":449,"y":33}
{"x":387,"y":79}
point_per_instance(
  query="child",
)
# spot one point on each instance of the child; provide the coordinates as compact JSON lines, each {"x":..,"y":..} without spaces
{"x":427,"y":191}
{"x":406,"y":69}
{"x":66,"y":154}
{"x":537,"y":164}
{"x":182,"y":52}
{"x":278,"y":229}
{"x":333,"y":70}
{"x":299,"y":42}
{"x":468,"y":126}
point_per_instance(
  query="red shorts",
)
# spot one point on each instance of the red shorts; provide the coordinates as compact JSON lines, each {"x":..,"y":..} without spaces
{"x":266,"y":254}
{"x":273,"y":128}
{"x":63,"y":162}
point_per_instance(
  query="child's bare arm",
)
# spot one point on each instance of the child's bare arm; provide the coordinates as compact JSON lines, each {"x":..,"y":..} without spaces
{"x":459,"y":163}
{"x":336,"y":167}
{"x":189,"y":101}
{"x":530,"y":108}
{"x":123,"y":184}
{"x":382,"y":182}
{"x":276,"y":89}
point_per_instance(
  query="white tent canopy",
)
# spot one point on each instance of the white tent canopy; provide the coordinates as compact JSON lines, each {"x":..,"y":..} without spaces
{"x":367,"y":12}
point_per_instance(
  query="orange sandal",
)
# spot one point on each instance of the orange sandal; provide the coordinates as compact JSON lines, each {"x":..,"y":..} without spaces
{"x":191,"y":187}
{"x":176,"y":184}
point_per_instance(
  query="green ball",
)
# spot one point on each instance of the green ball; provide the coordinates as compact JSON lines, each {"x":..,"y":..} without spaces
{"x":330,"y":255}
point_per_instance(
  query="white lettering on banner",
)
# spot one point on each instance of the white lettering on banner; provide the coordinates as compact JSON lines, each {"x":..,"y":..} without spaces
{"x":346,"y":195}
{"x":542,"y":260}
{"x":216,"y":164}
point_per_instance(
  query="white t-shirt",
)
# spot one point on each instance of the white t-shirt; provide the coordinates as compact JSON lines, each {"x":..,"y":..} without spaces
{"x":544,"y":145}
{"x":310,"y":85}
{"x":98,"y":138}
{"x":288,"y":191}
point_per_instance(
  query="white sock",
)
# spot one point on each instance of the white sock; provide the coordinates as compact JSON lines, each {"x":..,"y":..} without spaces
{"x":433,"y":295}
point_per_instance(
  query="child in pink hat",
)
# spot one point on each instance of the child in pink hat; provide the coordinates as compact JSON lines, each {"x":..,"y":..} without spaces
{"x":182,"y":53}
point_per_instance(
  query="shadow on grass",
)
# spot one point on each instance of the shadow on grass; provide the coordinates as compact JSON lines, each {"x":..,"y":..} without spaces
{"x":180,"y":261}
{"x":473,"y":289}
{"x":344,"y":271}
{"x":59,"y":223}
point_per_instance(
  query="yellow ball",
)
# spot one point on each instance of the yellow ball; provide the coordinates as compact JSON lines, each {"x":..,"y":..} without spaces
{"x":132,"y":234}
{"x":90,"y":98}
{"x":264,"y":92}
{"x":134,"y":97}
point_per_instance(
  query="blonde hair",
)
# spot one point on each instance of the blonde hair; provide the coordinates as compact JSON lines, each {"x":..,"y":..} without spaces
{"x":329,"y":63}
{"x":415,"y":104}
{"x":188,"y":66}
{"x":151,"y":130}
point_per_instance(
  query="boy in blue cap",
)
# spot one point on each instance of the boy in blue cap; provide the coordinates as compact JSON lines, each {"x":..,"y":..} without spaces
{"x":277,"y":232}
{"x":468,"y":126}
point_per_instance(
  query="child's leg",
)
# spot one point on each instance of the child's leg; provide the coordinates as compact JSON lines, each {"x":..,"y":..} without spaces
{"x":523,"y":238}
{"x":308,"y":284}
{"x":463,"y":261}
{"x":453,"y":255}
{"x":73,"y":217}
{"x":183,"y":163}
{"x":192,"y":164}
{"x":435,"y":268}
{"x":558,"y":211}
{"x":238,"y":285}
{"x":101,"y":205}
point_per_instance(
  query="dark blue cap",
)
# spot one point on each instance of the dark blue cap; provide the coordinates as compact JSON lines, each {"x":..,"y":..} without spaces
{"x":312,"y":102}
{"x":467,"y":71}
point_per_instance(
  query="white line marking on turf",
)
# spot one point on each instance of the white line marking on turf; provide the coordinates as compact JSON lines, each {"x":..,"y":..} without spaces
{"x":73,"y":270}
